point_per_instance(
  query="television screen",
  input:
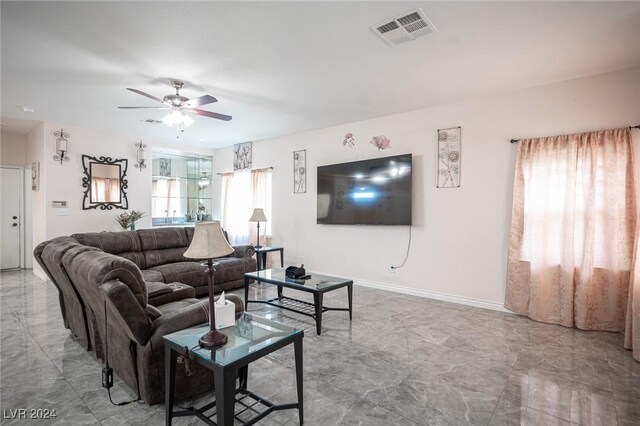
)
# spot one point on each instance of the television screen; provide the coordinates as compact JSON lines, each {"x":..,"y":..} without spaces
{"x":369,"y":192}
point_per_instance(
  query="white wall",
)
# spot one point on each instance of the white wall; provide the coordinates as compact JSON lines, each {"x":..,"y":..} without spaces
{"x":35,"y":223}
{"x":460,"y":235}
{"x":64,"y":182}
{"x":13,"y":149}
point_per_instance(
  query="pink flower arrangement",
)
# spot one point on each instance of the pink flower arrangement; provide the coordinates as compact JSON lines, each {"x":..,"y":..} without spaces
{"x":128,"y":220}
{"x":348,"y":140}
{"x":380,"y":142}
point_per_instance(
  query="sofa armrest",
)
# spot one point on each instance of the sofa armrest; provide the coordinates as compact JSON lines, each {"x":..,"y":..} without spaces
{"x":244,"y":251}
{"x":128,"y":312}
{"x":190,"y":316}
{"x":178,"y":291}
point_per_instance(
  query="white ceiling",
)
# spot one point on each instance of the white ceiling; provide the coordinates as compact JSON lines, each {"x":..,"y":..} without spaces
{"x":285,"y":67}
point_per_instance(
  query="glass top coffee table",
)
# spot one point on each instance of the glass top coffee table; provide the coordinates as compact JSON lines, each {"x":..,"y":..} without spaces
{"x":318,"y":285}
{"x":250,"y":339}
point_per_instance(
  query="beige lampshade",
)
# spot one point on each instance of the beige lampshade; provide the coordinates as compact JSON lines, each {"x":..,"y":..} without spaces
{"x":258,"y":216}
{"x":208,"y":242}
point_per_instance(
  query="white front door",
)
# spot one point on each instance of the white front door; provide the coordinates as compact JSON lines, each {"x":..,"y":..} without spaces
{"x":10,"y":218}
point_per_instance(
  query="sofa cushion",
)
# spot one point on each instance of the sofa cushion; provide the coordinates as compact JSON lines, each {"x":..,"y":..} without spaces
{"x":151,"y":275}
{"x":190,"y":273}
{"x":164,"y":256}
{"x":162,"y":238}
{"x":155,"y":288}
{"x":124,"y":244}
{"x":89,"y":271}
{"x":162,"y":246}
{"x":179,"y":291}
{"x":72,"y":305}
{"x":229,"y":269}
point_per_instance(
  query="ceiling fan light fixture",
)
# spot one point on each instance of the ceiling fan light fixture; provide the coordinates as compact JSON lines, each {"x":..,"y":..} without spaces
{"x":176,"y":117}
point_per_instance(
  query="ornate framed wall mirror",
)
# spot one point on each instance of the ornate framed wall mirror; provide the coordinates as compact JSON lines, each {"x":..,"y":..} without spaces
{"x":104,"y":183}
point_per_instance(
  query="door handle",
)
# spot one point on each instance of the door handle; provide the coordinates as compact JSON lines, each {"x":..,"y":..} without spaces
{"x":15,"y":224}
{"x":14,"y":217}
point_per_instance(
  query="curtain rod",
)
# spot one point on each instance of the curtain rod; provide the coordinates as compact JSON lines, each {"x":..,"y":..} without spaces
{"x":252,"y":170}
{"x":630,"y":127}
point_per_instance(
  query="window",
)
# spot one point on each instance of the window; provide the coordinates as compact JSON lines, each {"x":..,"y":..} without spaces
{"x":241,"y":193}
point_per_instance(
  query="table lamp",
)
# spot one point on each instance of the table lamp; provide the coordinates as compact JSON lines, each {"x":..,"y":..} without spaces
{"x":258,"y":216}
{"x":208,"y":242}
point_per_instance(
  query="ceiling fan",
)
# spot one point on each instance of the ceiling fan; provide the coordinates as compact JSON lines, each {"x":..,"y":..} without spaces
{"x":180,"y":106}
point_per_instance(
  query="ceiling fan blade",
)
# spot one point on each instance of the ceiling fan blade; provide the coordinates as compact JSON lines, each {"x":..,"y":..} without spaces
{"x":149,"y":107}
{"x":201,"y":100}
{"x":210,"y":114}
{"x":139,"y":92}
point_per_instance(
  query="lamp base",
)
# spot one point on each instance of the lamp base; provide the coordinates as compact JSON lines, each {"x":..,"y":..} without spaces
{"x":212,"y":339}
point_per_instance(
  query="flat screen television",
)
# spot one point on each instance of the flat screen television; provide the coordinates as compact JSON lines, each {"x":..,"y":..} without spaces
{"x":368,"y":192}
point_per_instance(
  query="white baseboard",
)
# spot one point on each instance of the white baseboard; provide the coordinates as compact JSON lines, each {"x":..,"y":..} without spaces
{"x":40,"y":274}
{"x":477,"y":303}
{"x":484,"y":304}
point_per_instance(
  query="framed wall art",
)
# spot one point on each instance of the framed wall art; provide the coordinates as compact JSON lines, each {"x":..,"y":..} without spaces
{"x":35,"y":176}
{"x":164,"y":164}
{"x":242,"y":156}
{"x":449,"y":157}
{"x":300,"y":171}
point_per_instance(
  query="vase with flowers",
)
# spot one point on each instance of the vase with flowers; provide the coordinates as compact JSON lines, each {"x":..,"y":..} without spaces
{"x":128,"y":219}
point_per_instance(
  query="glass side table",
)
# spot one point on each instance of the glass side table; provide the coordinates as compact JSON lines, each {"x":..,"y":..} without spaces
{"x":250,"y":339}
{"x":261,"y":256}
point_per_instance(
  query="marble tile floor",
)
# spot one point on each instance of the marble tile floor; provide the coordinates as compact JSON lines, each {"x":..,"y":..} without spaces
{"x":403,"y":360}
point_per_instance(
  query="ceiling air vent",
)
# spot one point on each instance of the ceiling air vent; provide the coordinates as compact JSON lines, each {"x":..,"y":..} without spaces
{"x":404,"y":27}
{"x":151,"y":121}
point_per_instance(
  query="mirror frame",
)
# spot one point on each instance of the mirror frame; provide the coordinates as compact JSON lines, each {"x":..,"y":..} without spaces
{"x":87,"y":204}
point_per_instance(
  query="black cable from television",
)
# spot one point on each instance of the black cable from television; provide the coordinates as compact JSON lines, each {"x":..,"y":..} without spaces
{"x":407,"y":255}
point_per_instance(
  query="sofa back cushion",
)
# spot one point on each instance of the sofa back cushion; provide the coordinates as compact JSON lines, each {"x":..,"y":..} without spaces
{"x":89,"y":271}
{"x":124,"y":244}
{"x":51,"y":256}
{"x":163,"y":245}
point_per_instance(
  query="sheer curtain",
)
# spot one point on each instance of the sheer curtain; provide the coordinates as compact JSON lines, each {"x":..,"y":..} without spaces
{"x":632,"y":326}
{"x":105,"y":189}
{"x":241,"y":193}
{"x":261,"y":186}
{"x":166,"y":198}
{"x":572,"y":231}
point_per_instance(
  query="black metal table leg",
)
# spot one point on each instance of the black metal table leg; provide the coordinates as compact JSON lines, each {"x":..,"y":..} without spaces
{"x":297,"y":347}
{"x":243,"y":374}
{"x":225,"y":382}
{"x":282,"y":258}
{"x":317,"y":301}
{"x":169,"y":382}
{"x":350,"y":293}
{"x":246,"y":293}
{"x":280,"y":291}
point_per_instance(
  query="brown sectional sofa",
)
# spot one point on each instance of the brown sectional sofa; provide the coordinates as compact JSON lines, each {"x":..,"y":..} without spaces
{"x":158,"y":254}
{"x":117,"y":268}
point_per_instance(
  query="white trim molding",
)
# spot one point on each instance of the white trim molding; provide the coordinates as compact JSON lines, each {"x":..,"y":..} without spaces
{"x":477,"y":303}
{"x":461,"y":300}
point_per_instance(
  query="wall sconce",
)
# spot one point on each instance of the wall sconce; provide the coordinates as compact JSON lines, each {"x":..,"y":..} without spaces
{"x":141,"y":156}
{"x":61,"y":146}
